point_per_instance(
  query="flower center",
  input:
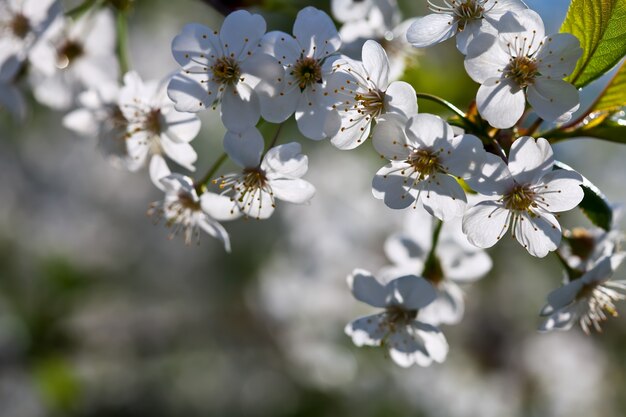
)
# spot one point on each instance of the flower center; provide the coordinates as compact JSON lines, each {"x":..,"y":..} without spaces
{"x":396,"y":315}
{"x":68,"y":52}
{"x":463,"y":10}
{"x":187,"y":202}
{"x":307,"y":71}
{"x":254,"y":178}
{"x":226,"y":70}
{"x":153,"y":121}
{"x":371,"y":103}
{"x":425,"y":162}
{"x":522,"y":70}
{"x":581,"y":243}
{"x":20,"y":25}
{"x":520,"y":198}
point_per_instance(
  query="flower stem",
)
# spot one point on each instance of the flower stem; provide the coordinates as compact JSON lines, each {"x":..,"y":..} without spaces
{"x":275,"y":138}
{"x":121,"y":48}
{"x":199,"y":185}
{"x":81,"y":9}
{"x":444,"y":103}
{"x":431,"y":259}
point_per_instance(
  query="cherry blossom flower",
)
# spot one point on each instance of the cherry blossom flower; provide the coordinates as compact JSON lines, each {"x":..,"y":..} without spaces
{"x":409,"y":340}
{"x":21,"y":25}
{"x":100,"y":116}
{"x":184,"y":212}
{"x":225,"y":68}
{"x":524,"y":63}
{"x":71,"y":56}
{"x":527,"y":192}
{"x":464,"y":18}
{"x":588,"y":300}
{"x":155,"y":128}
{"x":354,"y":10}
{"x":423,"y":154}
{"x":367,"y":94}
{"x":455,"y":261}
{"x":309,"y":78}
{"x":275,"y":176}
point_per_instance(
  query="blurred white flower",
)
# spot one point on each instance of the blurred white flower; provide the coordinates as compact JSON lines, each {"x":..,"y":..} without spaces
{"x":353,"y":10}
{"x":367,"y":94}
{"x":100,"y":116}
{"x":309,"y":79}
{"x":423,"y":154}
{"x":455,"y":261}
{"x":588,"y":300}
{"x":185,"y":212}
{"x":464,"y":18}
{"x":521,"y":62}
{"x":73,"y":55}
{"x":154,"y":128}
{"x":226,"y":68}
{"x":529,"y":192}
{"x":380,"y":24}
{"x":409,"y":340}
{"x":263,"y":181}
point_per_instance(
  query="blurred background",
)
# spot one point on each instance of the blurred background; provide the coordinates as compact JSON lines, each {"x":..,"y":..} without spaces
{"x":102,"y":315}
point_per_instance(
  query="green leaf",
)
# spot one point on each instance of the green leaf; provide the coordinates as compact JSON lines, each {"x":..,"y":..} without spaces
{"x":600,"y":25}
{"x":614,"y":95}
{"x":594,"y":204}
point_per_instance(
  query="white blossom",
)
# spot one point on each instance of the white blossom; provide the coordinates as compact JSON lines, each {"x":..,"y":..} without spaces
{"x":307,"y":85}
{"x":588,"y":300}
{"x":454,"y":262}
{"x":521,"y":62}
{"x":367,"y":95}
{"x":154,"y":128}
{"x":264,"y":178}
{"x":524,"y":194}
{"x":184,"y":212}
{"x":409,"y":340}
{"x":423,"y":154}
{"x":225,"y":68}
{"x":464,"y":18}
{"x":99,"y":116}
{"x":72,"y":56}
{"x":353,"y":10}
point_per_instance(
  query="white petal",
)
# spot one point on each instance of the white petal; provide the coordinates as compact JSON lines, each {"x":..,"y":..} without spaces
{"x":158,"y":170}
{"x":402,"y":249}
{"x":180,"y":152}
{"x":257,"y":204}
{"x":427,"y":130}
{"x":244,"y":148}
{"x":312,"y":120}
{"x":400,"y":98}
{"x":81,"y":121}
{"x":434,"y":340}
{"x":389,"y":137}
{"x":530,"y":159}
{"x":241,"y":109}
{"x":241,"y":32}
{"x":466,"y":157}
{"x":295,"y":190}
{"x":282,"y":46}
{"x":564,"y":295}
{"x":316,"y":33}
{"x":219,"y":207}
{"x":188,"y":94}
{"x":193,"y":46}
{"x":558,"y":55}
{"x":285,"y":160}
{"x":354,"y":131}
{"x":491,"y":176}
{"x":560,"y":190}
{"x":486,"y":58}
{"x":553,"y":99}
{"x":443,"y":197}
{"x":278,"y":108}
{"x":263,"y":73}
{"x":410,"y":291}
{"x":539,"y":234}
{"x":485,"y":223}
{"x":431,"y":29}
{"x":388,"y":185}
{"x":448,"y":307}
{"x":407,"y":348}
{"x":376,"y":63}
{"x":366,"y":288}
{"x":500,"y":102}
{"x":367,"y":331}
{"x":181,"y":127}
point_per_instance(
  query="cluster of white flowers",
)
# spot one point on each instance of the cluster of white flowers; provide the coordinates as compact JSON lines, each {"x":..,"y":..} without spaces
{"x":342,"y":86}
